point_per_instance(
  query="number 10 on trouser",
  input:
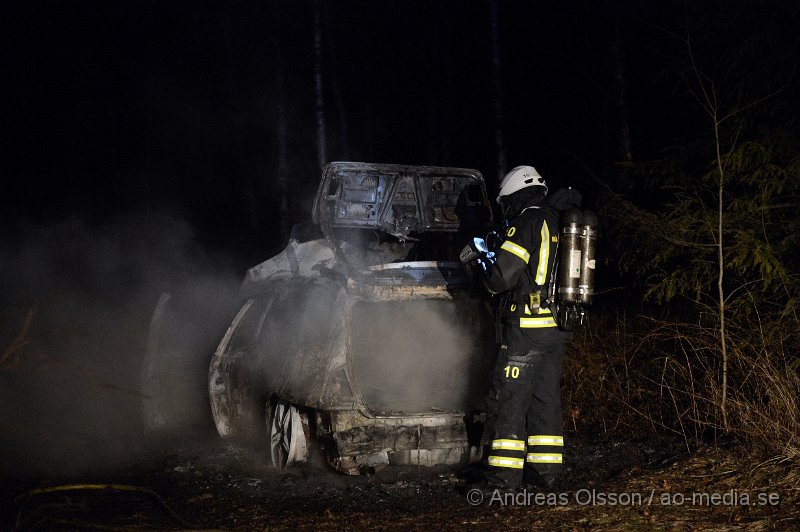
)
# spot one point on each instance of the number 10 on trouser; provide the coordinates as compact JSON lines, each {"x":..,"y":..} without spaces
{"x":528,"y":432}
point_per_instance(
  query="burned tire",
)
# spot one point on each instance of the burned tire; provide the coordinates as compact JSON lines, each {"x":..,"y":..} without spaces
{"x":288,"y":434}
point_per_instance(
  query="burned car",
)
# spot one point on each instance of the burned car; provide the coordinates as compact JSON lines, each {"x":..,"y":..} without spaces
{"x":365,"y":340}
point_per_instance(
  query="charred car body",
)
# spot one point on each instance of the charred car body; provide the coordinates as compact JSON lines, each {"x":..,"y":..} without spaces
{"x":368,"y":338}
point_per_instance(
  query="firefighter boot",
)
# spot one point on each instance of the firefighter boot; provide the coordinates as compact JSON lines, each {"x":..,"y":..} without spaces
{"x":503,"y":478}
{"x":542,"y":476}
{"x":493,"y":477}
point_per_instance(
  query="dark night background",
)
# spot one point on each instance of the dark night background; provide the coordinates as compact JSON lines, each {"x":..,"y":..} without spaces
{"x":152,"y":146}
{"x":119,"y":107}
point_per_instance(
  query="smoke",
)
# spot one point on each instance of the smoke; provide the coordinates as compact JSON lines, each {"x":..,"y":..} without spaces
{"x":421,"y":356}
{"x":71,"y":399}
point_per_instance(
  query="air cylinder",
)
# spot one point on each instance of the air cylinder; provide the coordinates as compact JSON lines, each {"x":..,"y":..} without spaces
{"x":570,"y":261}
{"x":589,"y":228}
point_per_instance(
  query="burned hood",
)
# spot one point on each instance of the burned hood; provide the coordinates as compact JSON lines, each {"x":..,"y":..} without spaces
{"x":401,"y":200}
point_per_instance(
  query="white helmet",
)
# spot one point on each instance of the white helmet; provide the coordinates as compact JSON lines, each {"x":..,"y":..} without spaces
{"x":519,"y":178}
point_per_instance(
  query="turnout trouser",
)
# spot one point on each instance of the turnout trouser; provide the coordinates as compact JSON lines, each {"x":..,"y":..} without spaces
{"x":528,"y":428}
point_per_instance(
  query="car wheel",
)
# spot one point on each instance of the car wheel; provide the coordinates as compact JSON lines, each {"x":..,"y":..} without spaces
{"x":287,"y":434}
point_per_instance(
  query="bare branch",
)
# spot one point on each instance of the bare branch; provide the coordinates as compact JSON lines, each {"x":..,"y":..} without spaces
{"x":760,"y":100}
{"x":21,"y":339}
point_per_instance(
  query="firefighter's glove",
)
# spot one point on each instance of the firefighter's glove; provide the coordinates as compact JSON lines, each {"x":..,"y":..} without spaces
{"x":476,"y":253}
{"x":486,"y":258}
{"x":494,"y":240}
{"x":486,"y":262}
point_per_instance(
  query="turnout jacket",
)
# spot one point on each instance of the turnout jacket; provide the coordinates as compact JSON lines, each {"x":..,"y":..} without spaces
{"x":525,"y":264}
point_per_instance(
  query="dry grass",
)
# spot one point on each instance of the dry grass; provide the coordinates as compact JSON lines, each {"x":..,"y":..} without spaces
{"x":646,"y":375}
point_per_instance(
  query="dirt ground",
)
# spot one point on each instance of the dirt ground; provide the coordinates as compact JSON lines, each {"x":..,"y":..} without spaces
{"x":201,"y":482}
{"x":73,"y":457}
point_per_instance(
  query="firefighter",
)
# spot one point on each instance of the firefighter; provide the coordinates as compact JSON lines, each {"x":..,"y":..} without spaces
{"x":528,"y":439}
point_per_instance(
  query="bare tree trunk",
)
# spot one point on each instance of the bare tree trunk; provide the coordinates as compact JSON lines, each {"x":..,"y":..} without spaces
{"x":322,"y":148}
{"x":624,"y":147}
{"x":710,"y":102}
{"x":284,"y":213}
{"x":723,"y":406}
{"x":440,"y":102}
{"x":341,"y":111}
{"x":499,"y":139}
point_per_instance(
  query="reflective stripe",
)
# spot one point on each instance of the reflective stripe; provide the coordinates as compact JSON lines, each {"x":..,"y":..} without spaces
{"x":546,"y":440}
{"x":544,"y":255}
{"x":509,"y":445}
{"x":503,"y":461}
{"x":544,"y":458}
{"x":542,"y":312}
{"x":519,"y":251}
{"x":537,"y":323}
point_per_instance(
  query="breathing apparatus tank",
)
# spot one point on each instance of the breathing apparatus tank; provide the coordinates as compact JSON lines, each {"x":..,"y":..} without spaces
{"x":569,"y":273}
{"x":578,"y":244}
{"x":588,"y":257}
